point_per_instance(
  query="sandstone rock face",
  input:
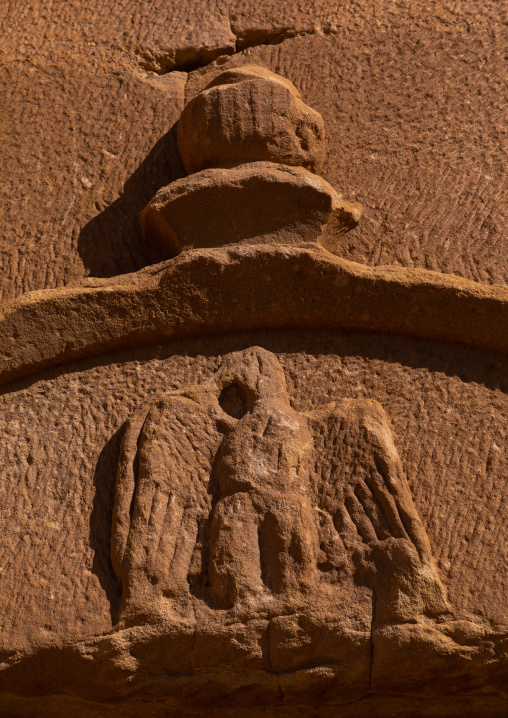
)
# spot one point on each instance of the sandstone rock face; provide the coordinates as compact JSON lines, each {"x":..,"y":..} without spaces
{"x":399,"y":87}
{"x":259,"y":202}
{"x":241,"y":118}
{"x":372,"y":421}
{"x":299,"y":288}
{"x":256,"y":479}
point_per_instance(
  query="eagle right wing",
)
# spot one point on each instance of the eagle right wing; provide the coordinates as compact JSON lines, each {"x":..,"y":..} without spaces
{"x":358,"y":477}
{"x":163,"y":493}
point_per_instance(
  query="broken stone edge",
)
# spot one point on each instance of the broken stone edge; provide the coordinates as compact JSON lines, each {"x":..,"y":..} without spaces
{"x":236,"y":288}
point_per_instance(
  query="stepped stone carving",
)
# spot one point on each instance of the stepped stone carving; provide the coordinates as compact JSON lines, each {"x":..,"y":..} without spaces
{"x":225,"y":494}
{"x":240,"y":135}
{"x":247,"y":116}
{"x":286,"y":205}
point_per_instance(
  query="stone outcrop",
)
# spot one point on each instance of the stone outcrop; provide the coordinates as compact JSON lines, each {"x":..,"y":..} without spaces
{"x":255,"y":479}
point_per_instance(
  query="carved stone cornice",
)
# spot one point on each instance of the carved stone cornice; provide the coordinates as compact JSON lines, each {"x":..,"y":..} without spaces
{"x":232,"y":289}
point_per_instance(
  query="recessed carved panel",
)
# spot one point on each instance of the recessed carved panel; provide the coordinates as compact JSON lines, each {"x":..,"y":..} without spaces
{"x":282,"y":512}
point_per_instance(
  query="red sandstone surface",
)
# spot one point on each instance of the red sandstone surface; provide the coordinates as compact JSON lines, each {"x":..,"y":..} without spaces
{"x":253,"y":446}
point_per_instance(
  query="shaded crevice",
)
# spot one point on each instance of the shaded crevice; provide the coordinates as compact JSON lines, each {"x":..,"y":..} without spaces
{"x":256,"y":38}
{"x":188,"y":59}
{"x":372,"y":647}
{"x":182,"y":60}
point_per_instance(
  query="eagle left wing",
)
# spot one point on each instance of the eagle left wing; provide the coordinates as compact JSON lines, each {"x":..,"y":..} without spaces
{"x":359,"y":482}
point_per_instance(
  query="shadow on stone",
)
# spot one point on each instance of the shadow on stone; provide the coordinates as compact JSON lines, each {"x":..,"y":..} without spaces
{"x":100,"y":520}
{"x":111,"y":242}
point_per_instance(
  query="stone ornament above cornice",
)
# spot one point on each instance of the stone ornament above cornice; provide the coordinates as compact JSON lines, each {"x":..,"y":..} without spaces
{"x":250,"y":146}
{"x":249,"y":237}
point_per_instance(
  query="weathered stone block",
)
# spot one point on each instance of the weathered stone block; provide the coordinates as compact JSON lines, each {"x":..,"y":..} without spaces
{"x":255,"y":203}
{"x":244,"y":118}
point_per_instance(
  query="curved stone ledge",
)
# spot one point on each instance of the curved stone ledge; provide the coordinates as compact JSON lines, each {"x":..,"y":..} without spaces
{"x":127,"y":675}
{"x":243,"y":288}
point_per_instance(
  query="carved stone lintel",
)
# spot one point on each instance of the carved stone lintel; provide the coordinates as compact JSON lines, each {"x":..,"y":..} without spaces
{"x":299,"y":287}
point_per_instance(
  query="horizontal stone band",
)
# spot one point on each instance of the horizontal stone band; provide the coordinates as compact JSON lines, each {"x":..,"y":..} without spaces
{"x":213,"y":291}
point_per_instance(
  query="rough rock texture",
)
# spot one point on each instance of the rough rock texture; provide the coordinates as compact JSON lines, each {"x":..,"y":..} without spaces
{"x":309,"y":524}
{"x":241,"y":118}
{"x":254,"y":203}
{"x":245,"y":288}
{"x":446,"y":409}
{"x":228,"y":498}
{"x":256,"y":481}
{"x":412,"y":96}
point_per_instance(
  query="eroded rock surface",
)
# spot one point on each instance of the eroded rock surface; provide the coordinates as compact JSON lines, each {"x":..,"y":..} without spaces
{"x":299,"y":287}
{"x":284,"y":494}
{"x":254,"y":203}
{"x":378,"y":613}
{"x":243,"y":118}
{"x":399,"y":87}
{"x":242,"y":504}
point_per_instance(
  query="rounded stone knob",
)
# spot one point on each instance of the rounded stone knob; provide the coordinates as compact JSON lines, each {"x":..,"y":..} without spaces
{"x":249,"y":115}
{"x":253,"y":203}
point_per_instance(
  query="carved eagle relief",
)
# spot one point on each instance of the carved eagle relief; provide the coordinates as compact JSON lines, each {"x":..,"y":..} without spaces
{"x":226,"y":494}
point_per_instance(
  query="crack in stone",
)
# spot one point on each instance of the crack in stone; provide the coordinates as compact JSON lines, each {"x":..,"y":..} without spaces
{"x":372,"y":624}
{"x":187,"y":59}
